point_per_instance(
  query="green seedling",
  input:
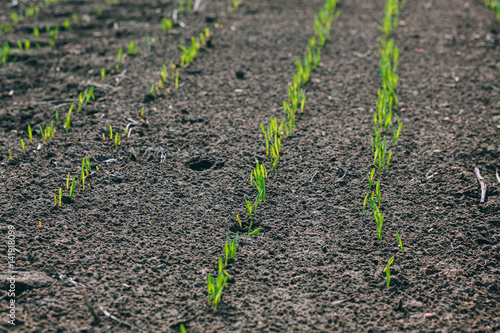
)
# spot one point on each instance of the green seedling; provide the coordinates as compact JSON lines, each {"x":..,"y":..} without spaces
{"x":110,"y":132}
{"x":82,"y":176}
{"x":177,"y":79}
{"x":5,"y":52}
{"x":379,"y":219}
{"x":67,"y":181}
{"x":22,"y":145}
{"x":249,"y":208}
{"x":182,"y":328}
{"x":132,"y":49}
{"x":67,"y":122}
{"x":43,"y":135}
{"x":119,"y":59}
{"x":370,"y":178}
{"x":239,"y":221}
{"x":117,"y":140}
{"x":258,"y":178}
{"x":142,"y":111}
{"x":75,"y":18}
{"x":20,"y":46}
{"x":255,"y":232}
{"x":103,"y":74}
{"x":73,"y":186}
{"x":181,"y":8}
{"x":36,"y":32}
{"x":53,"y":34}
{"x":15,"y":18}
{"x":166,"y":25}
{"x":388,"y":272}
{"x":189,"y":6}
{"x":152,"y":90}
{"x":57,"y":117}
{"x":55,"y":200}
{"x":235,"y":5}
{"x":230,"y":248}
{"x":207,"y":32}
{"x":10,"y":157}
{"x":215,"y":287}
{"x":27,"y":45}
{"x":89,"y":94}
{"x":87,"y":165}
{"x":164,"y":73}
{"x":60,"y":197}
{"x":189,"y":53}
{"x":30,"y":134}
{"x":66,"y":24}
{"x":400,"y":243}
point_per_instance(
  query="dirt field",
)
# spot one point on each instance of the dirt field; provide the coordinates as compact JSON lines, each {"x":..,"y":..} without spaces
{"x":153,"y":223}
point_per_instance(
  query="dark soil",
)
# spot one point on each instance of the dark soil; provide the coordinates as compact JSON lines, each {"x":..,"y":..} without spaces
{"x":153,"y":223}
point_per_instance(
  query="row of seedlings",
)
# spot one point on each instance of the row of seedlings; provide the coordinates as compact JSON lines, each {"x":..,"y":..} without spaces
{"x":385,"y":119}
{"x":273,"y":135}
{"x":25,"y":13}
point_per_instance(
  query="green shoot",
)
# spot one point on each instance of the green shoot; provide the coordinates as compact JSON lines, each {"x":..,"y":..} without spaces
{"x":36,"y":32}
{"x":10,"y":155}
{"x":259,"y":181}
{"x":73,"y":186}
{"x":189,"y":5}
{"x":80,"y":102}
{"x":60,"y":196}
{"x":181,"y":8}
{"x":67,"y":122}
{"x":379,"y":219}
{"x":230,"y":248}
{"x":388,"y":272}
{"x":22,"y":145}
{"x":183,"y":329}
{"x":119,"y":59}
{"x":66,"y":24}
{"x":370,"y":177}
{"x":215,"y":287}
{"x":30,"y":134}
{"x":103,"y":74}
{"x":152,"y":90}
{"x":142,"y":111}
{"x":89,"y":94}
{"x":132,"y":49}
{"x":43,"y":135}
{"x":255,"y":232}
{"x":110,"y":132}
{"x":400,"y":243}
{"x":239,"y":221}
{"x":235,"y":4}
{"x":57,"y":117}
{"x":15,"y":18}
{"x":177,"y":79}
{"x":83,"y":179}
{"x":55,"y":200}
{"x":378,"y":193}
{"x":166,"y":25}
{"x":75,"y":18}
{"x":117,"y":141}
{"x":67,"y":181}
{"x":249,"y":206}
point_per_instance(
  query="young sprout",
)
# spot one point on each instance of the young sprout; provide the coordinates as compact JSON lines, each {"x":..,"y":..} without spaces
{"x":177,"y":79}
{"x":57,"y":117}
{"x":75,"y":18}
{"x":152,"y":90}
{"x":15,"y":18}
{"x":20,"y":46}
{"x":239,"y":221}
{"x":67,"y":181}
{"x":388,"y":272}
{"x":207,"y":32}
{"x":132,"y":50}
{"x":142,"y":111}
{"x":22,"y":145}
{"x":370,"y":177}
{"x":117,"y":141}
{"x":400,"y":243}
{"x":189,"y":5}
{"x":60,"y":196}
{"x":10,"y":155}
{"x":103,"y":74}
{"x":255,"y":232}
{"x":183,"y":329}
{"x":235,"y":4}
{"x":378,"y":193}
{"x":166,"y":25}
{"x":181,"y":8}
{"x":83,"y":179}
{"x":119,"y":59}
{"x":36,"y":32}
{"x":249,"y":208}
{"x":89,"y":94}
{"x":110,"y":132}
{"x":66,"y":24}
{"x":379,"y":219}
{"x":87,"y":165}
{"x":73,"y":186}
{"x":43,"y":135}
{"x":30,"y":134}
{"x":55,"y":200}
{"x":230,"y":248}
{"x":215,"y":287}
{"x":259,"y":181}
{"x":67,"y":122}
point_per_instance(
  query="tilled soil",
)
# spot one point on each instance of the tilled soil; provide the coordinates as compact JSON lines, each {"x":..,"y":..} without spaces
{"x":153,"y":223}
